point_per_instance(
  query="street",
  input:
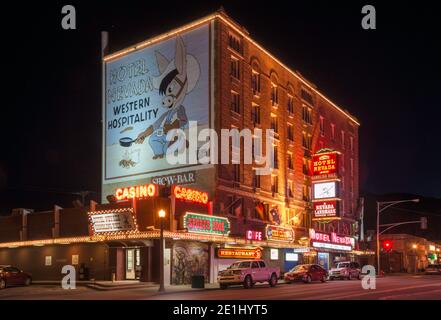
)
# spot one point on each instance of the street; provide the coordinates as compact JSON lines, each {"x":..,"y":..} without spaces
{"x":401,"y":287}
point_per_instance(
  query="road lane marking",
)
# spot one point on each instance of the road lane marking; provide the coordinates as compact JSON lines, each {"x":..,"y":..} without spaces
{"x":381,"y":291}
{"x":411,"y":294}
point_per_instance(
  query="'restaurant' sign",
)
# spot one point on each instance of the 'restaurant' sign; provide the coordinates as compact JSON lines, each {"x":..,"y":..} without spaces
{"x":119,"y":220}
{"x":239,"y":253}
{"x":331,"y":241}
{"x":207,"y":224}
{"x":279,"y":233}
{"x":324,"y":164}
{"x":326,"y":210}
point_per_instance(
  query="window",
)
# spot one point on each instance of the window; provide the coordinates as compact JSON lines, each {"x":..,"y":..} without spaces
{"x":290,"y":105}
{"x":342,"y":139}
{"x":274,"y":124}
{"x":276,"y":157}
{"x":322,"y":126}
{"x":235,"y":43}
{"x":255,"y":82}
{"x":235,"y":98}
{"x":351,"y":143}
{"x":236,"y":172}
{"x":254,"y":265}
{"x":290,"y":161}
{"x":290,"y":190}
{"x":306,"y":196}
{"x":307,"y":96}
{"x":306,"y":140}
{"x":262,"y":264}
{"x":290,"y":132}
{"x":274,"y":95}
{"x":332,"y":131}
{"x":305,"y":166}
{"x":352,"y":167}
{"x":307,"y":114}
{"x":255,"y":114}
{"x":234,"y":68}
{"x":256,"y":180}
{"x":275,"y":184}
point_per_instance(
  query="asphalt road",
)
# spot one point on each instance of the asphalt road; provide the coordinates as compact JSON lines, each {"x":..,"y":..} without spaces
{"x":388,"y":288}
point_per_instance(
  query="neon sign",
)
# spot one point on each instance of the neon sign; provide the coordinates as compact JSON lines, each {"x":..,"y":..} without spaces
{"x":239,"y":253}
{"x":191,"y":195}
{"x":324,"y":164}
{"x":254,"y":235}
{"x":136,"y":192}
{"x":202,"y":223}
{"x":331,"y":241}
{"x":278,"y":233}
{"x":325,"y":210}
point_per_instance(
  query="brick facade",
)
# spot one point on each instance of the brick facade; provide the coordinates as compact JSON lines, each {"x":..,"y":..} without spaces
{"x":237,"y":199}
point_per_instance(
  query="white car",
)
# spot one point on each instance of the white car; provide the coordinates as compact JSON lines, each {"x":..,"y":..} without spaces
{"x":433,"y":269}
{"x":345,"y":270}
{"x":248,"y":272}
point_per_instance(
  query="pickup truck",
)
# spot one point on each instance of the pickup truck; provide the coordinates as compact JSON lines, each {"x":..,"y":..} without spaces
{"x":248,"y":273}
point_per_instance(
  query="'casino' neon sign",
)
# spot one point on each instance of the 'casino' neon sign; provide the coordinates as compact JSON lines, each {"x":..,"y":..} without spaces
{"x":191,"y":195}
{"x":136,"y":192}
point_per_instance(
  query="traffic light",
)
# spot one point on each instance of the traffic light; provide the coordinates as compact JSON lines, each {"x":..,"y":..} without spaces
{"x":387,"y":245}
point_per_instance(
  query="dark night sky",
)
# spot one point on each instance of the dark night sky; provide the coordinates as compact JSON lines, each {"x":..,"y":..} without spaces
{"x":388,"y":78}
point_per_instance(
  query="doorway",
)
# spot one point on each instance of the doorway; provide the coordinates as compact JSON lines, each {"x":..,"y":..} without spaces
{"x":133,"y":261}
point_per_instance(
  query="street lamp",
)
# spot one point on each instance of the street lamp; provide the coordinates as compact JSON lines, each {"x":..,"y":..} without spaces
{"x":161,"y":215}
{"x":385,"y":204}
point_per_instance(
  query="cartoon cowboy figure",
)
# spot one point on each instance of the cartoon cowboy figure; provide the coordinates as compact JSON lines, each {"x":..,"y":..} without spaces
{"x":177,"y":78}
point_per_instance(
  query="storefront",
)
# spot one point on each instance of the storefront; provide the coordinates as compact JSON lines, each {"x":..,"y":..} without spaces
{"x":331,"y":248}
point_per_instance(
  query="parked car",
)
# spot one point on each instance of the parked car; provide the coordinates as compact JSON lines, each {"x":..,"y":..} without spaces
{"x":345,"y":270}
{"x":306,"y":273}
{"x":433,"y":269}
{"x":12,"y":276}
{"x":248,"y":273}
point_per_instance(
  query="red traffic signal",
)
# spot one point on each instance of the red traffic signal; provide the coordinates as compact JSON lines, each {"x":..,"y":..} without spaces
{"x":387,"y":245}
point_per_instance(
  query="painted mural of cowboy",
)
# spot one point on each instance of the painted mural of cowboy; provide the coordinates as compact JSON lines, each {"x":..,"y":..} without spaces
{"x":177,"y":78}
